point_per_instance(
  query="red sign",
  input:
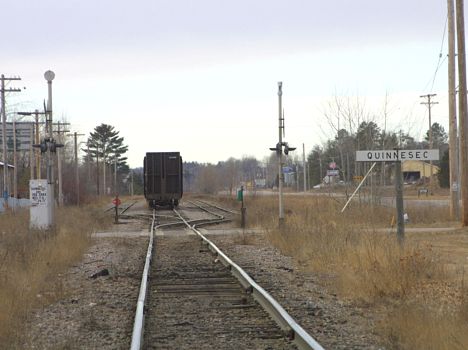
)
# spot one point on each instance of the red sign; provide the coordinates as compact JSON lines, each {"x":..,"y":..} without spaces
{"x":332,"y":165}
{"x":116,"y":201}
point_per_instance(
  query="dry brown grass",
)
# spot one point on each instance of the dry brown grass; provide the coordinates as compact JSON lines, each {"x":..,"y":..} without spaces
{"x":31,"y":262}
{"x":415,"y":326}
{"x":365,"y":263}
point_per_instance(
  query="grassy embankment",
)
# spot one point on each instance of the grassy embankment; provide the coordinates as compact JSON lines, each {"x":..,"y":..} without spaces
{"x":31,"y":262}
{"x":425,"y":304}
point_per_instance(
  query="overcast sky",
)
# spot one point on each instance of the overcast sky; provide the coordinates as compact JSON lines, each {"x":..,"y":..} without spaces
{"x":200,"y":77}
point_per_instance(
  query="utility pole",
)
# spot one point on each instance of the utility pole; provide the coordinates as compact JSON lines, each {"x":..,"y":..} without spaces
{"x":304,"y":166}
{"x":37,"y":139}
{"x":4,"y":142}
{"x":31,"y":153}
{"x":59,"y":160}
{"x":429,"y":104}
{"x":453,"y":133}
{"x":77,"y":174}
{"x":15,"y":163}
{"x":115,"y":176}
{"x":462,"y":109}
{"x":88,"y":168}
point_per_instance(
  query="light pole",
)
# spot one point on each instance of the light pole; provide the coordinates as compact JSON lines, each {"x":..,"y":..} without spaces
{"x":49,"y":147}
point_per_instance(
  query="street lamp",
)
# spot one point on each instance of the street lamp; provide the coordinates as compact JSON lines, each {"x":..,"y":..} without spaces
{"x":48,"y":145}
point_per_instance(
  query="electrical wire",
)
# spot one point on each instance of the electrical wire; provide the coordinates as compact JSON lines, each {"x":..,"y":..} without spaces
{"x":432,"y":80}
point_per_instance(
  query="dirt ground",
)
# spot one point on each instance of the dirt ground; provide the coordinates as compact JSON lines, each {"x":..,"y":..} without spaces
{"x":451,"y":246}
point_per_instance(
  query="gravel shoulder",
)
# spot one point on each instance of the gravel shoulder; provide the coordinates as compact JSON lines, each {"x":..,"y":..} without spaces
{"x":334,"y":323}
{"x":94,"y":313}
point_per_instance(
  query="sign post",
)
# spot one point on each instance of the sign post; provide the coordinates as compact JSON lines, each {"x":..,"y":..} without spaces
{"x":399,"y":202}
{"x":240,"y":198}
{"x":116,"y":201}
{"x":397,"y":155}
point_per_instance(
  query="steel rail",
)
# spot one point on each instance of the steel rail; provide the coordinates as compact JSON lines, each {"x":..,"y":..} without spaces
{"x":128,"y":207}
{"x":294,"y":331}
{"x":220,"y":208}
{"x":137,"y":334}
{"x":206,"y":210}
{"x":124,"y":209}
{"x":138,"y":324}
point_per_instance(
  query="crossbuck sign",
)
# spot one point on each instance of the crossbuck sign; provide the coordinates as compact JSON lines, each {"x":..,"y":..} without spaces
{"x":395,"y":155}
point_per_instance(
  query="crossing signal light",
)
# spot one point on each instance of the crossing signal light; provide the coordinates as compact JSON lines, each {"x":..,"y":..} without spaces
{"x":277,"y":149}
{"x":288,"y":149}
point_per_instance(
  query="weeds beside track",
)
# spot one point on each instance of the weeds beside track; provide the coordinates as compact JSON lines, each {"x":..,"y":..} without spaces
{"x":31,"y":262}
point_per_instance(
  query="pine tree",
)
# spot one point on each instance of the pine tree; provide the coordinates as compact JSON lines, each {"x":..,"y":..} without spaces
{"x":106,"y":146}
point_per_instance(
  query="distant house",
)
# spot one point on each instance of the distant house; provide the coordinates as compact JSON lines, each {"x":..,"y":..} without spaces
{"x":415,"y":170}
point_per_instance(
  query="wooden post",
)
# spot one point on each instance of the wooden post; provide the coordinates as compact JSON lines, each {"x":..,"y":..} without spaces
{"x":15,"y":161}
{"x":453,"y":133}
{"x":38,"y":152}
{"x":462,"y":106}
{"x":399,"y":203}
{"x":31,"y":152}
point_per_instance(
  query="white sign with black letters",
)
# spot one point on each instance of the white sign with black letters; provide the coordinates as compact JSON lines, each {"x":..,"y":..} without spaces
{"x":39,"y":192}
{"x":395,"y":155}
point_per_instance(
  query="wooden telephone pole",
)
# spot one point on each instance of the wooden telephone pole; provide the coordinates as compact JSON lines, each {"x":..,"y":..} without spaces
{"x":59,"y":160}
{"x":453,"y":132}
{"x":462,"y":107}
{"x":4,"y":141}
{"x":77,"y":174}
{"x":429,"y":104}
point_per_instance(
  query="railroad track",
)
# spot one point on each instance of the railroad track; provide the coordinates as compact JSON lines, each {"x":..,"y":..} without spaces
{"x":215,"y":206}
{"x":122,"y":208}
{"x":197,"y":298}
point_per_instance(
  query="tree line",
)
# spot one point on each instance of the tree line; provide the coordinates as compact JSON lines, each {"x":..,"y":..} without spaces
{"x":102,"y":166}
{"x":340,"y":149}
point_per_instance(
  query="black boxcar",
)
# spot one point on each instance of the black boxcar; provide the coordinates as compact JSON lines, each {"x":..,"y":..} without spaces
{"x":162,"y":175}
